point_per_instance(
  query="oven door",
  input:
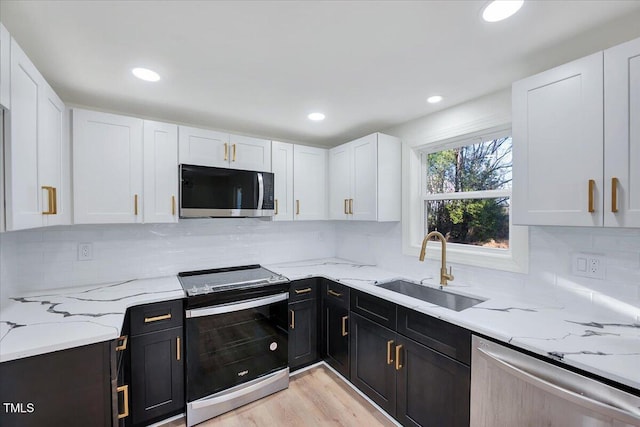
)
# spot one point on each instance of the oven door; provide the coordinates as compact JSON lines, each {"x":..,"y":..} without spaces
{"x":234,"y":343}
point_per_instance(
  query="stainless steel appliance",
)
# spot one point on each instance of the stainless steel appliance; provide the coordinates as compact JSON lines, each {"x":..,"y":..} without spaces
{"x":509,"y":388}
{"x":220,"y":192}
{"x":236,"y":338}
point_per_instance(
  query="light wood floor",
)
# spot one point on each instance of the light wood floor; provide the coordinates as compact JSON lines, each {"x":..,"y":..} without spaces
{"x":314,"y":398}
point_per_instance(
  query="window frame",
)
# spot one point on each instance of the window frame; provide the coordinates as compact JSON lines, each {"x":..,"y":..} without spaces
{"x":514,"y":259}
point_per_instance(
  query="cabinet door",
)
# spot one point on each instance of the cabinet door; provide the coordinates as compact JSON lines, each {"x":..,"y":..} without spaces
{"x":558,"y":145}
{"x":157,"y":377}
{"x":303,"y":335}
{"x":335,"y":333}
{"x":107,"y":168}
{"x":310,"y":178}
{"x":2,"y":211}
{"x":432,"y":389}
{"x":364,"y":178}
{"x":372,"y":361}
{"x":282,"y":166}
{"x":339,"y":181}
{"x":203,"y":147}
{"x":5,"y":68}
{"x":160,"y":172}
{"x":250,"y":153}
{"x":622,"y":134}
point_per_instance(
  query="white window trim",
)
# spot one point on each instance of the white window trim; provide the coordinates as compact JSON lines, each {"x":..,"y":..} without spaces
{"x":515,"y":259}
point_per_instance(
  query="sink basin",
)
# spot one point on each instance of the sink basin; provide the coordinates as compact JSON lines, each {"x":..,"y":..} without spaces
{"x":435,"y":296}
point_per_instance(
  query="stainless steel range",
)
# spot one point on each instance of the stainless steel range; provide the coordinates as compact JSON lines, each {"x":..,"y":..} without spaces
{"x":236,"y":338}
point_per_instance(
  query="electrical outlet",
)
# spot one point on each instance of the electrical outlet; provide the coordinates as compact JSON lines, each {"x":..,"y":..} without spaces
{"x":85,"y":251}
{"x":588,"y":265}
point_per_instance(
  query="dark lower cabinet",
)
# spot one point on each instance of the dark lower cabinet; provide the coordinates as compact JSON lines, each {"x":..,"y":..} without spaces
{"x":335,"y":324}
{"x":303,"y":333}
{"x":65,"y":388}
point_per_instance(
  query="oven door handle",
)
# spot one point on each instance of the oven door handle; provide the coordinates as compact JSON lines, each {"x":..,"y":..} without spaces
{"x":236,"y":306}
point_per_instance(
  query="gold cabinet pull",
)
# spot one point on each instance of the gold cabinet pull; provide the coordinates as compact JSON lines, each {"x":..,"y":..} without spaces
{"x":125,"y":399}
{"x":389,"y":356}
{"x":398,"y":352}
{"x":226,"y":151}
{"x":302,"y":291}
{"x":346,"y":206}
{"x":614,"y":194}
{"x":297,"y":207}
{"x":234,"y":153}
{"x":351,"y":206}
{"x":334,"y":293}
{"x":344,"y":326}
{"x":293,"y":319}
{"x":51,"y":195}
{"x":157,"y":318}
{"x":276,"y":211}
{"x":173,"y":205}
{"x":178,"y":348}
{"x":135,"y":204}
{"x":592,"y":185}
{"x":121,"y":343}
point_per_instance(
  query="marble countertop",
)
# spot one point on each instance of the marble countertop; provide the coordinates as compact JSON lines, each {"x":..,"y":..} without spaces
{"x":603,"y":342}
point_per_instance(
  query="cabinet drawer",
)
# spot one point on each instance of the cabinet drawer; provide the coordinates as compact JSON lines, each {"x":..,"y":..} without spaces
{"x":374,"y":308}
{"x":336,"y":293}
{"x":156,"y":317}
{"x":439,"y":335}
{"x":303,"y":290}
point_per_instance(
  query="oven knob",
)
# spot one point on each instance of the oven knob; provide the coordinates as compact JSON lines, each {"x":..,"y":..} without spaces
{"x":273,"y":346}
{"x":206,"y":289}
{"x":193,"y":290}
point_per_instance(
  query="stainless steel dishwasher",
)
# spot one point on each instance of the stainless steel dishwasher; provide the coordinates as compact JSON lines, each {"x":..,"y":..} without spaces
{"x":509,"y":388}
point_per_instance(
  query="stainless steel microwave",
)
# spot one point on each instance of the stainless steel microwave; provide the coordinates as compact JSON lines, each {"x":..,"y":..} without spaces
{"x":219,"y":192}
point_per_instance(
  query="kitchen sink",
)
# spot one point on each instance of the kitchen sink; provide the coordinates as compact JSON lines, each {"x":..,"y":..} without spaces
{"x":435,"y":296}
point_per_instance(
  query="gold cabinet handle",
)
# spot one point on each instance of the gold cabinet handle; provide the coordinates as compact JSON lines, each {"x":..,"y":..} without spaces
{"x":389,"y":356}
{"x":592,"y":185}
{"x":346,"y":206}
{"x":121,"y":343}
{"x":178,"y":348}
{"x":234,"y":153}
{"x":293,"y":319}
{"x":302,"y":291}
{"x":398,"y":352}
{"x":51,"y":207}
{"x":297,"y":207}
{"x":614,"y":194}
{"x":173,"y":205}
{"x":334,"y":293}
{"x":226,"y":151}
{"x":135,"y":204}
{"x":351,"y":206}
{"x":276,"y":211}
{"x":344,"y":326}
{"x":157,"y":318}
{"x":125,"y":399}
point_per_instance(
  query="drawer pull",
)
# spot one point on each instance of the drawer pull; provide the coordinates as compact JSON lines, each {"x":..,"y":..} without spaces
{"x":344,"y":326}
{"x":293,"y":319}
{"x":125,"y":399}
{"x":121,"y":343}
{"x":389,"y":356}
{"x":614,"y":194}
{"x":178,"y":348}
{"x":157,"y":318}
{"x":302,"y":291}
{"x":334,"y":293}
{"x":398,"y":352}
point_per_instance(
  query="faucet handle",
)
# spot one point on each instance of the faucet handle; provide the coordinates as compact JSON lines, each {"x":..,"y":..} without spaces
{"x":450,"y":275}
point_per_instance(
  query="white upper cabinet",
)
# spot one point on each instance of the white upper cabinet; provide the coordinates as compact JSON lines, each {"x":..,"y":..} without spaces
{"x":576,"y":142}
{"x":310,"y":183}
{"x":160,"y":155}
{"x":365,"y":179}
{"x":557,"y":145}
{"x":5,"y":68}
{"x":36,"y":149}
{"x":211,"y":148}
{"x":282,"y":167}
{"x":107,"y":168}
{"x":622,"y":135}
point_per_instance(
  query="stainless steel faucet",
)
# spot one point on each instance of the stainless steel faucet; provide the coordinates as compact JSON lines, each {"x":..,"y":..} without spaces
{"x":444,"y":276}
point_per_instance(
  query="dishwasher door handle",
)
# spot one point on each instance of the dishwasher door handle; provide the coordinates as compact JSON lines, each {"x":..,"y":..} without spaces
{"x":629,"y":412}
{"x":236,"y":306}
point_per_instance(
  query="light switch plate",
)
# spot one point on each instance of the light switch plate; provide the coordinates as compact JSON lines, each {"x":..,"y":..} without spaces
{"x":588,"y":265}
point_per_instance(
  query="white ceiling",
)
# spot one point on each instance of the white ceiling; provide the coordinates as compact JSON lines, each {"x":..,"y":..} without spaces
{"x":260,"y":67}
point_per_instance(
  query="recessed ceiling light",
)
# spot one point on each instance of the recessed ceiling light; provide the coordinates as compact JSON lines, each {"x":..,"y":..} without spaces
{"x":316,"y":117}
{"x":434,"y":99}
{"x":146,"y":74}
{"x":498,"y":10}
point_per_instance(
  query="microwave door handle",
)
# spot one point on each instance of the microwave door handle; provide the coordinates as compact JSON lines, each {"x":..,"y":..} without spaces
{"x":260,"y":191}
